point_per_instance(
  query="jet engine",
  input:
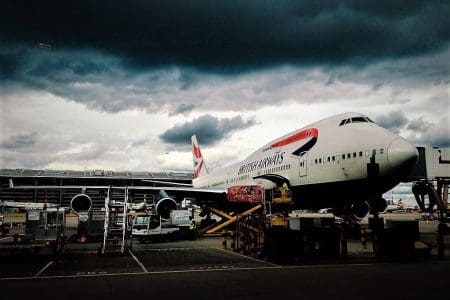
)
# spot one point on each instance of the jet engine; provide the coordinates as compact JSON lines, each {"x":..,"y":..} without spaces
{"x":379,"y":205}
{"x":360,"y":210}
{"x":81,"y":203}
{"x":164,"y":205}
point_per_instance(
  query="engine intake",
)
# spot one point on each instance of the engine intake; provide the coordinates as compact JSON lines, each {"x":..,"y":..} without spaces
{"x":360,"y":210}
{"x":81,"y":203}
{"x":164,"y":205}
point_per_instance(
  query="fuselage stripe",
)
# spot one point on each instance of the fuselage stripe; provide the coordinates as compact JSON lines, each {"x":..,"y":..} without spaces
{"x":308,"y":133}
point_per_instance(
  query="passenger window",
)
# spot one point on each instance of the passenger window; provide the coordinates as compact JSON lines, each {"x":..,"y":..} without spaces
{"x":334,"y":158}
{"x":348,"y":155}
{"x":360,"y":153}
{"x":343,"y":156}
{"x":328,"y":159}
{"x":381,"y":151}
{"x":354,"y":154}
{"x":320,"y":160}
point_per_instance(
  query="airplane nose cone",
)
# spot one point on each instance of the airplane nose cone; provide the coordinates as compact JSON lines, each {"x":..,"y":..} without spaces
{"x":401,"y":154}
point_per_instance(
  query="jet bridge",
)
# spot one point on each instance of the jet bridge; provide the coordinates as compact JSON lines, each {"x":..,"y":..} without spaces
{"x":431,"y":179}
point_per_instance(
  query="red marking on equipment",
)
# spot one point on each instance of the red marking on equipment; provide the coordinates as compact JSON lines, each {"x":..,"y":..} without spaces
{"x":196,"y":151}
{"x":312,"y":132}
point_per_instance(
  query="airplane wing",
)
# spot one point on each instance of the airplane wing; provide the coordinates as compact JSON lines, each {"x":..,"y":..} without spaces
{"x":167,"y":182}
{"x":178,"y":192}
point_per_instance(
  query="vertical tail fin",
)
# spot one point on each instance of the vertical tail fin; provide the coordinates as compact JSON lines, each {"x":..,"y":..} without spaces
{"x":199,"y":163}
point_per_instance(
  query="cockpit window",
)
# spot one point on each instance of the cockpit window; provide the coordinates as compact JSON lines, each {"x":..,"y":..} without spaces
{"x":359,"y":120}
{"x":356,"y":120}
{"x":345,"y":121}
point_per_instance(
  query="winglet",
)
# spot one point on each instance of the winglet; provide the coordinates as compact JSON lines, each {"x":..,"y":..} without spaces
{"x":199,"y":163}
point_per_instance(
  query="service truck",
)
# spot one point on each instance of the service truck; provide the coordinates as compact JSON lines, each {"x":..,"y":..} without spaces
{"x":44,"y":228}
{"x":151,"y":227}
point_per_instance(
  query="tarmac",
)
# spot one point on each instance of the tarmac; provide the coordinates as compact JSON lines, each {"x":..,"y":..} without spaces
{"x":202,"y":269}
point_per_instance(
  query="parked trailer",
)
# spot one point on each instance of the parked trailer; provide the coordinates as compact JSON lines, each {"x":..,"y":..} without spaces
{"x":44,"y":228}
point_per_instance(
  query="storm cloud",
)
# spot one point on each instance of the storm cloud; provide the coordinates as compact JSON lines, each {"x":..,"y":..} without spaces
{"x":231,"y":36}
{"x":173,"y":56}
{"x":209,"y":129}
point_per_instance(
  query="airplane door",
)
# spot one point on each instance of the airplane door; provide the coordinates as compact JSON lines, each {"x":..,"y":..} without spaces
{"x":303,"y":164}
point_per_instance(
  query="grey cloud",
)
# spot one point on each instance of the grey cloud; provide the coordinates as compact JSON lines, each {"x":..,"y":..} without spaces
{"x":182,"y":109}
{"x":20,"y":141}
{"x":423,"y":133}
{"x":209,"y":130}
{"x":434,"y":135}
{"x":393,"y":121}
{"x":418,"y":124}
{"x":92,"y":152}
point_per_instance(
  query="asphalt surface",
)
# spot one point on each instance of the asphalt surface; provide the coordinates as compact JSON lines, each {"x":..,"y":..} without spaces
{"x":201,"y":269}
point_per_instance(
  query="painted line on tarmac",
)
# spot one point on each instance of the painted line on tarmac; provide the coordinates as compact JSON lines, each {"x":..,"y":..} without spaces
{"x":172,"y":249}
{"x":204,"y":270}
{"x":4,"y":238}
{"x":248,"y":257}
{"x":138,"y":262}
{"x":44,"y":268}
{"x":141,"y":273}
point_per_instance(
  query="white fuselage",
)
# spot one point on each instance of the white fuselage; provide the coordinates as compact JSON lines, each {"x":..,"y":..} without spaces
{"x":325,"y":153}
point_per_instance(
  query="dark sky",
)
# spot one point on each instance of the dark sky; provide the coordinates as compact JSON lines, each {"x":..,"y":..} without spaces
{"x":229,"y":36}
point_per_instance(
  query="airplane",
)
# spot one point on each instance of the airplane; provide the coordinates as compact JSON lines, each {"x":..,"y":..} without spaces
{"x":324,"y":165}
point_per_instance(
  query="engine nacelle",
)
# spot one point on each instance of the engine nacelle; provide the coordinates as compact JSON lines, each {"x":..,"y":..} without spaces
{"x":380,"y":206}
{"x":360,"y":210}
{"x":81,"y":203}
{"x":164,"y":205}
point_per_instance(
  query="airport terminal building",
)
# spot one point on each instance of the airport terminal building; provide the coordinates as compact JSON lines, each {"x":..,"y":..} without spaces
{"x":90,"y":178}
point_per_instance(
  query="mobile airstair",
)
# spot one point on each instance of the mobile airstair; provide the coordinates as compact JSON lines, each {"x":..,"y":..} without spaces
{"x":117,"y":230}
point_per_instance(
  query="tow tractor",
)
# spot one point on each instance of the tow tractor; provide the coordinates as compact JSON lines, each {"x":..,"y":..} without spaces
{"x":44,"y":228}
{"x":151,"y":227}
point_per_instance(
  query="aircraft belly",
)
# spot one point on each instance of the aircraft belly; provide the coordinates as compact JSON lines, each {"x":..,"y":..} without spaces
{"x":333,"y":194}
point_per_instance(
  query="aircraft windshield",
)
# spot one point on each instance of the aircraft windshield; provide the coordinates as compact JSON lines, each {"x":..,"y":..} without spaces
{"x":356,"y":120}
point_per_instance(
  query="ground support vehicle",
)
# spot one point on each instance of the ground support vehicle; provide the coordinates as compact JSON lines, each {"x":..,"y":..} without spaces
{"x":44,"y":228}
